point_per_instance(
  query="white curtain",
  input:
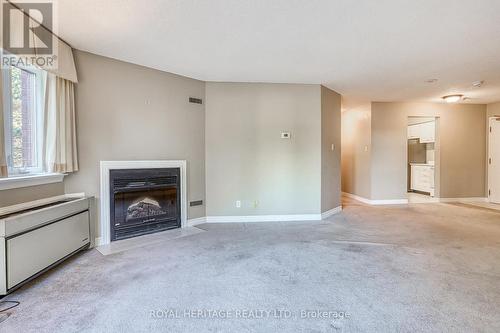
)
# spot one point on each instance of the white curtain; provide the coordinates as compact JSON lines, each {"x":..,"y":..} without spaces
{"x":59,"y":146}
{"x":60,"y":151}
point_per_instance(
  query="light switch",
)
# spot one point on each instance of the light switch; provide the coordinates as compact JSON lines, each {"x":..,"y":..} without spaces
{"x":366,"y":148}
{"x":333,"y":146}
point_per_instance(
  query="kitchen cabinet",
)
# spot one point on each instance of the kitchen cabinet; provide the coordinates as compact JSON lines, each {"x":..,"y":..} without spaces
{"x":426,"y":132}
{"x":413,"y":132}
{"x":422,"y":178}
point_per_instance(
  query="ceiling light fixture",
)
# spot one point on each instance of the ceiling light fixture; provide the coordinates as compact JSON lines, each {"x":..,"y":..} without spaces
{"x":452,"y":98}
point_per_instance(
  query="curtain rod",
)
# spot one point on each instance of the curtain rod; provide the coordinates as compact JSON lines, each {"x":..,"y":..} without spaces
{"x":52,"y":32}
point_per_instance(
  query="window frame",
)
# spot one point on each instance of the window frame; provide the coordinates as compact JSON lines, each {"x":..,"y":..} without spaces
{"x":39,"y":82}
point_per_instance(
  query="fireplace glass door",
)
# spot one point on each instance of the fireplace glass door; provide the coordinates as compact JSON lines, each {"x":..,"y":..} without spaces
{"x":143,"y":206}
{"x":143,"y":203}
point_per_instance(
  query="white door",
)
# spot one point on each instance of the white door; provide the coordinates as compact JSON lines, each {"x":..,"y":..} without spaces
{"x":494,"y":161}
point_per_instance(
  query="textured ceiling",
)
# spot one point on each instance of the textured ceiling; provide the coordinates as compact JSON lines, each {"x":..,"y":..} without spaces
{"x":367,"y":50}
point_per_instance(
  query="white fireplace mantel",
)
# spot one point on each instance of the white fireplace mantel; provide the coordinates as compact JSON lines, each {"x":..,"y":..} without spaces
{"x":104,"y":203}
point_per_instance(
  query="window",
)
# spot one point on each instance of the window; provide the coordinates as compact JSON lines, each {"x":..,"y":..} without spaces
{"x":23,"y":118}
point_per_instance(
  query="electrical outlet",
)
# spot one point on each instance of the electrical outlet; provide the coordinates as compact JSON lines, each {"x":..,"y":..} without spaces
{"x":238,"y":204}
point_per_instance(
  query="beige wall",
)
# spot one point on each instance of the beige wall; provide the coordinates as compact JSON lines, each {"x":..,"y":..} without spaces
{"x":330,"y":160}
{"x":356,"y":151}
{"x":129,"y":112}
{"x":247,"y":160}
{"x":493,"y":109}
{"x":25,"y":194}
{"x":462,"y":148}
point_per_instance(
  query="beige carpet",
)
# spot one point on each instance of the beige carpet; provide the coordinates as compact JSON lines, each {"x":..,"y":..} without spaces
{"x":413,"y":268}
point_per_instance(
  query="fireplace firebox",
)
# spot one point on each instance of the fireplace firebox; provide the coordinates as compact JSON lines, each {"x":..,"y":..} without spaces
{"x":144,"y":201}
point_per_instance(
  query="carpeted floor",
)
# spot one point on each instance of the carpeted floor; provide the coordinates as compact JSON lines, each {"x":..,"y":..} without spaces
{"x":416,"y":268}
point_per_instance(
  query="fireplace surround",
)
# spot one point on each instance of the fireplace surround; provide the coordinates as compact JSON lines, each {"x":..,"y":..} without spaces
{"x":104,"y":225}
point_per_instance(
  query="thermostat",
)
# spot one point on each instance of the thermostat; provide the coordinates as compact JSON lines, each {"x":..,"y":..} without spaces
{"x":285,"y":135}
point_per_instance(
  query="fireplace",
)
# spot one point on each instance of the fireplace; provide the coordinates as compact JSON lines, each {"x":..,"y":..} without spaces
{"x":144,"y":201}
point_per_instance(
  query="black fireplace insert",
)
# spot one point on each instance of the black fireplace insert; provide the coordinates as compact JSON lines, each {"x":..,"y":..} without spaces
{"x":144,"y":201}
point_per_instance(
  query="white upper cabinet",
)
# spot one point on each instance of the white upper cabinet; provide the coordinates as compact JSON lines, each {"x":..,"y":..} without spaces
{"x":426,"y":132}
{"x":413,"y":132}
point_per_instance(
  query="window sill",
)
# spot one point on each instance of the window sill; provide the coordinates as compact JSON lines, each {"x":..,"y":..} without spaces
{"x":30,"y":180}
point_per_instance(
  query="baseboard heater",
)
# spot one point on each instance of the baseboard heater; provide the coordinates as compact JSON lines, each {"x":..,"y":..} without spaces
{"x":34,"y":240}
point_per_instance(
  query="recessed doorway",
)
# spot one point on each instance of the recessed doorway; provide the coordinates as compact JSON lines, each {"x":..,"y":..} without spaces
{"x":423,"y":159}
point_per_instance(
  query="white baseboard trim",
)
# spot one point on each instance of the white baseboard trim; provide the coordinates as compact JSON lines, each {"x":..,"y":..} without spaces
{"x":331,"y":212}
{"x":465,"y":200}
{"x":376,"y":202}
{"x":405,"y":201}
{"x":357,"y":197}
{"x":263,"y":218}
{"x":196,"y":221}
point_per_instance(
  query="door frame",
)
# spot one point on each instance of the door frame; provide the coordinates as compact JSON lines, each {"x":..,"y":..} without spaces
{"x":490,"y":123}
{"x":437,"y":155}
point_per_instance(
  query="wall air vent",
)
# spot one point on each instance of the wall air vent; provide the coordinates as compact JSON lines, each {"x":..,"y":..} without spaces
{"x":195,"y":100}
